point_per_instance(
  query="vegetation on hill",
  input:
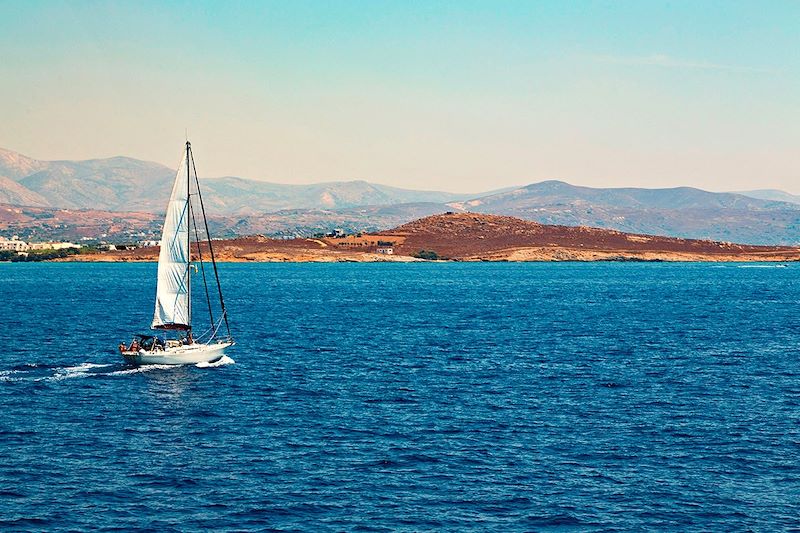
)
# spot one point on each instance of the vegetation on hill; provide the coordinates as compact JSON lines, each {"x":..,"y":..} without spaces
{"x":429,"y":255}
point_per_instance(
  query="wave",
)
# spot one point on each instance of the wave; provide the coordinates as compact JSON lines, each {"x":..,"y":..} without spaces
{"x":7,"y":375}
{"x":35,"y":372}
{"x":140,"y":369}
{"x":222,"y":361}
{"x":79,"y":371}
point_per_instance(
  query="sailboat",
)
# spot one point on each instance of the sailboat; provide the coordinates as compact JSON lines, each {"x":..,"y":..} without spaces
{"x":175,"y":341}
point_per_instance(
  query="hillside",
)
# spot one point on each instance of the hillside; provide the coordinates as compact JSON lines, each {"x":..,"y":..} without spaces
{"x":115,"y":184}
{"x":772,"y":194}
{"x":475,"y":237}
{"x":240,"y":196}
{"x":553,"y":192}
{"x":45,"y":224}
{"x":13,"y":193}
{"x":16,"y":166}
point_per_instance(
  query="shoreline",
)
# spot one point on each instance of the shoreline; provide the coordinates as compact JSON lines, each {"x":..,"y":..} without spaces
{"x":516,"y":256}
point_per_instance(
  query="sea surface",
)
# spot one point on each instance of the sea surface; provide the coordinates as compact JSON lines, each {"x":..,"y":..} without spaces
{"x":409,"y":397}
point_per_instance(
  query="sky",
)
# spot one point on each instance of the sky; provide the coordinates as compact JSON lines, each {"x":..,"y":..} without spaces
{"x":462,"y":96}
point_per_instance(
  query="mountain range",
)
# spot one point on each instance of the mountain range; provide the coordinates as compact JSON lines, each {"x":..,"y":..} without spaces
{"x":244,"y":206}
{"x":127,"y":184}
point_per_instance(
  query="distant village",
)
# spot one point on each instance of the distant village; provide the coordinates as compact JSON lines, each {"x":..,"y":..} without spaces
{"x":18,"y":249}
{"x":15,"y":248}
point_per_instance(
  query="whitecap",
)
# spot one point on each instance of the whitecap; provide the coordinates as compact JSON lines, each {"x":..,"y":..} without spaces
{"x":139,"y":369}
{"x":79,"y":371}
{"x":222,"y":361}
{"x":83,"y":367}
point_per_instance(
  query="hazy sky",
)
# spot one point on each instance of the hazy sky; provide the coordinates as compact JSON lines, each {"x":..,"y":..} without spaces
{"x":462,"y":96}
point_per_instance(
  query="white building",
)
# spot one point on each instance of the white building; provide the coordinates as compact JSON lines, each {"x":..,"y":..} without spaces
{"x":13,"y":244}
{"x":386,"y":250}
{"x":52,"y":245}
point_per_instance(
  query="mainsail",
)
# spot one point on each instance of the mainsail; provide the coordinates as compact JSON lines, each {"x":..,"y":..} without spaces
{"x":173,"y":293}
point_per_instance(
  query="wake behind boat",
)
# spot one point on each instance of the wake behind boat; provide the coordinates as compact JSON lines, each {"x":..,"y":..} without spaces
{"x":176,"y":344}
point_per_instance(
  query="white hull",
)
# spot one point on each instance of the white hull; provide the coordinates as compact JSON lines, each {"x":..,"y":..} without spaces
{"x":181,"y":355}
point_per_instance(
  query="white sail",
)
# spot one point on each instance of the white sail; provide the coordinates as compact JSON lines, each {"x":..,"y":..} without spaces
{"x":173,"y":292}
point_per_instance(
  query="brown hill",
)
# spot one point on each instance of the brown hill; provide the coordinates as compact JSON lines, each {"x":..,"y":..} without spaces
{"x":471,"y":236}
{"x":474,"y":237}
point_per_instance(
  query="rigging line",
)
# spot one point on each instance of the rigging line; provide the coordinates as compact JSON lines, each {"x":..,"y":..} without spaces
{"x":200,"y":337}
{"x":214,"y":327}
{"x":211,"y":248}
{"x":202,"y":265}
{"x":217,"y":329}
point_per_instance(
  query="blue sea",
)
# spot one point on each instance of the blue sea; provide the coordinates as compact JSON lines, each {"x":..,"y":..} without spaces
{"x":409,"y":397}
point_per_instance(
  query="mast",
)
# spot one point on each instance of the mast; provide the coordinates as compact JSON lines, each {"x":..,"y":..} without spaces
{"x":188,"y":235}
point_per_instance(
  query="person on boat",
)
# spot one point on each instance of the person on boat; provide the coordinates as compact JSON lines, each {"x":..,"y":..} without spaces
{"x":134,"y":346}
{"x":122,"y":347}
{"x":188,"y":340}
